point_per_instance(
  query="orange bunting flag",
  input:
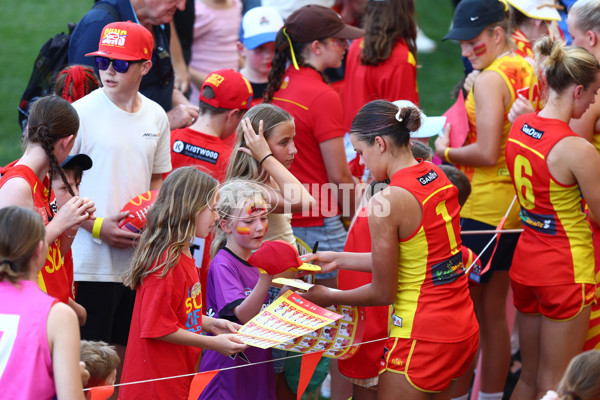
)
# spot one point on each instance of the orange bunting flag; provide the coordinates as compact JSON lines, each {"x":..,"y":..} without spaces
{"x":199,"y":383}
{"x":307,"y":369}
{"x":498,"y":228}
{"x":101,"y":392}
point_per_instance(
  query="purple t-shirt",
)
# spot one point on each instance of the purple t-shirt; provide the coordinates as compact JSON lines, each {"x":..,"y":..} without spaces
{"x":230,"y":281}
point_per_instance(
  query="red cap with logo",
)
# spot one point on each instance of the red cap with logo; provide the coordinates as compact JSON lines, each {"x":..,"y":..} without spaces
{"x":125,"y":41}
{"x":232,"y":90}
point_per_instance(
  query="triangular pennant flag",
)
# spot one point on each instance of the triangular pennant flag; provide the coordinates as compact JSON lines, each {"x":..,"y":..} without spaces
{"x":498,"y":228}
{"x":456,"y":116}
{"x":199,"y":383}
{"x":307,"y":369}
{"x":101,"y":392}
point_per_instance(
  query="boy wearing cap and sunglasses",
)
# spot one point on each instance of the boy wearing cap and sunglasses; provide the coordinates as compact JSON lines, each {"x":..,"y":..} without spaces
{"x":127,"y":136}
{"x":225,"y":96}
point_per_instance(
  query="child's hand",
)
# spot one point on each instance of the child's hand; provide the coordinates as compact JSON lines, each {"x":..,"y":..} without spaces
{"x":520,"y":106}
{"x":73,"y":213}
{"x":443,"y":141}
{"x":85,"y":374}
{"x":91,"y":207}
{"x":223,"y":326}
{"x":228,"y":345}
{"x":111,"y":234}
{"x":256,"y":144}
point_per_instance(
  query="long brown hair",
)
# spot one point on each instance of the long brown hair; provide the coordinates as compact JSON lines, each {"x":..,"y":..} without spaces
{"x":21,"y":229}
{"x":171,"y":223}
{"x":385,"y":23}
{"x":242,"y":165}
{"x":52,"y":118}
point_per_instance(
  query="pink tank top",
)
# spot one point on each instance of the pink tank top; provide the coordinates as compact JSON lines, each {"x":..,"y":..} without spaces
{"x":25,"y":359}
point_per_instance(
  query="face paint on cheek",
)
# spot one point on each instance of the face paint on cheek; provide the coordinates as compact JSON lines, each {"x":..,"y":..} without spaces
{"x":480,"y":49}
{"x":255,"y":208}
{"x":243,"y":230}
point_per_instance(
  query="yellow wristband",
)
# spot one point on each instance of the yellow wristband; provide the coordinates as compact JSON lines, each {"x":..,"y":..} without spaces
{"x":446,"y":154}
{"x":97,"y":226}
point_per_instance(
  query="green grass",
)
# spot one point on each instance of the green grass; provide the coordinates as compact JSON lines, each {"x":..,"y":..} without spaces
{"x":26,"y":24}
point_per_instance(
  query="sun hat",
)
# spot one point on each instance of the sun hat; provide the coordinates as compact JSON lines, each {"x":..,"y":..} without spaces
{"x":259,"y":26}
{"x":537,"y":9}
{"x":125,"y":41}
{"x":232,"y":90}
{"x":472,"y":16}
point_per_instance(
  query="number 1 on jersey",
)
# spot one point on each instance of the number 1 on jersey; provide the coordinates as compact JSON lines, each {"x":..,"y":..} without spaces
{"x":441,"y":209}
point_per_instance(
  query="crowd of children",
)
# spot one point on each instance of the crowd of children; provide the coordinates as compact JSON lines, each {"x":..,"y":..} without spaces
{"x":242,"y":173}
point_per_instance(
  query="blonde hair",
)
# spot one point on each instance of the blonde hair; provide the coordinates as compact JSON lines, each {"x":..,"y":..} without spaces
{"x":21,"y":230}
{"x":242,"y":164}
{"x":564,"y":66}
{"x":581,"y":380}
{"x":234,"y":194}
{"x":100,"y":360}
{"x":588,"y":14}
{"x":171,"y":223}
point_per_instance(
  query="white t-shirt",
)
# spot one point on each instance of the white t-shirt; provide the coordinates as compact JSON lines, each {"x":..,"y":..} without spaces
{"x":126,"y":149}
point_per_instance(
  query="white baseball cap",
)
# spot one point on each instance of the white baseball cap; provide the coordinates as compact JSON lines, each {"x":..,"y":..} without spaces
{"x":259,"y":26}
{"x":430,"y":126}
{"x":537,"y":9}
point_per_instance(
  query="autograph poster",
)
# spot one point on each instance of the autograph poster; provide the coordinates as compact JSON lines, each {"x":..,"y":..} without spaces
{"x":295,"y":324}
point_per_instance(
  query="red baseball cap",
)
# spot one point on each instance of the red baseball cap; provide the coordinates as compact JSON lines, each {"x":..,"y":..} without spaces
{"x":232,"y":90}
{"x":125,"y":41}
{"x":277,"y":256}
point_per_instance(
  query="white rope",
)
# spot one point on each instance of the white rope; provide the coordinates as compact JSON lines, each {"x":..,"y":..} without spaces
{"x":236,"y":366}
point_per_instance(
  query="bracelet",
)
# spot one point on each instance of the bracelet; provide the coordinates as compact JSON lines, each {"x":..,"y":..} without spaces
{"x":97,"y":226}
{"x":71,"y":236}
{"x":264,"y":158}
{"x":446,"y":155}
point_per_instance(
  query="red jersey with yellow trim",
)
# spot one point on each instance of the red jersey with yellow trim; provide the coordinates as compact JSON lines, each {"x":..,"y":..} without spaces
{"x":53,"y":278}
{"x":432,"y":302}
{"x":491,"y":188}
{"x":364,"y":364}
{"x":555,"y":247}
{"x":317,"y":112}
{"x":393,"y":79}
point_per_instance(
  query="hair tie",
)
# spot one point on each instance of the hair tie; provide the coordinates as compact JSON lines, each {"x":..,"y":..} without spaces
{"x":398,"y":117}
{"x":291,"y":49}
{"x":10,"y":264}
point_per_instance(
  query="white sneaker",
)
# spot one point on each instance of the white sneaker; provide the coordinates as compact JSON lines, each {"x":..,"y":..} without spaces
{"x":424,"y":44}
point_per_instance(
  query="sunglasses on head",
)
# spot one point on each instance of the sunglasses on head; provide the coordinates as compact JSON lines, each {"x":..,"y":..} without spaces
{"x":120,"y":66}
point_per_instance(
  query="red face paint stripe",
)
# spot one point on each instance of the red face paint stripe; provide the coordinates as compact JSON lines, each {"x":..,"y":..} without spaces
{"x":480,"y":50}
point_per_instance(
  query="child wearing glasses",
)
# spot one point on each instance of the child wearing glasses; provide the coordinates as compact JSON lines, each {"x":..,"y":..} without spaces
{"x":127,"y":136}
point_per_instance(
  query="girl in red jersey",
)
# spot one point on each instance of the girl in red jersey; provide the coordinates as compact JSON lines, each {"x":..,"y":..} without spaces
{"x":416,"y":261}
{"x":382,"y":65}
{"x":164,"y":338}
{"x":52,"y":126}
{"x":314,"y":38}
{"x":551,"y":167}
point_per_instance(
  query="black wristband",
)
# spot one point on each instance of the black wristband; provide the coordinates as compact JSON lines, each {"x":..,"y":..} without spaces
{"x":264,"y":158}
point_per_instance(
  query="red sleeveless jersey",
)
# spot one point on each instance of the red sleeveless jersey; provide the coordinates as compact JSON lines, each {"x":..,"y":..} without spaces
{"x":555,"y":247}
{"x":53,"y":278}
{"x":432,"y":302}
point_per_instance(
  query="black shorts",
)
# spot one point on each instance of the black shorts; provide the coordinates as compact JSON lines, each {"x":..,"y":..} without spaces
{"x":109,"y":307}
{"x":504,"y":253}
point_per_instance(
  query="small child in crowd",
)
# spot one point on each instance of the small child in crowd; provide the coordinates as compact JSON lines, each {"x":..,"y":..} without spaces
{"x":237,"y":291}
{"x":581,"y":380}
{"x":73,"y":167}
{"x":164,"y":338}
{"x":101,"y":361}
{"x":225,"y":96}
{"x":257,"y":46}
{"x":421,"y":150}
{"x":75,"y":81}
